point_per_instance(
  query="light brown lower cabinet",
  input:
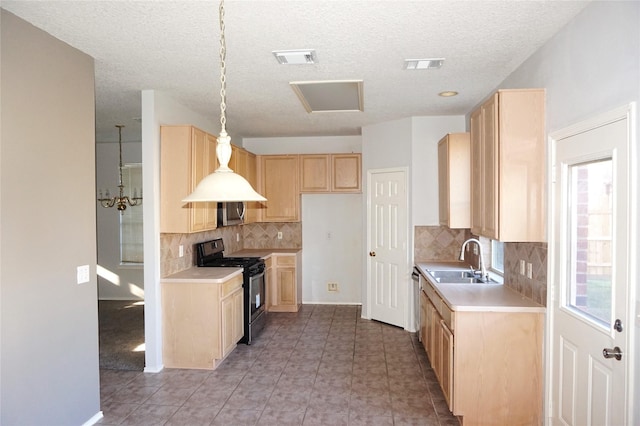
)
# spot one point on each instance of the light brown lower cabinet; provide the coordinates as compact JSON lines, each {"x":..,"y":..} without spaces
{"x":285,"y":283}
{"x":202,"y":322}
{"x":488,"y":364}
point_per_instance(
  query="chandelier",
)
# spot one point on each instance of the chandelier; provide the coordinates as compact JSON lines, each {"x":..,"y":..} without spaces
{"x":223,"y":184}
{"x":121,"y":201}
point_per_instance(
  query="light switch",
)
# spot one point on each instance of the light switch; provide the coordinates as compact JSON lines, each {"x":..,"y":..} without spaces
{"x":82,"y":274}
{"x":180,"y":250}
{"x":529,"y":271}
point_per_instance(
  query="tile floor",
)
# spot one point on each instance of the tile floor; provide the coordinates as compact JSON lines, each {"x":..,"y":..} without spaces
{"x":321,"y":366}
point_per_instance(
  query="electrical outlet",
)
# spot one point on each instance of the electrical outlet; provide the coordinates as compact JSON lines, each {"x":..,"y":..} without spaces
{"x":332,"y":286}
{"x":522,"y":266}
{"x":279,"y":235}
{"x":237,"y":236}
{"x":82,"y":274}
{"x":328,"y":235}
{"x":180,"y":250}
{"x":529,"y":271}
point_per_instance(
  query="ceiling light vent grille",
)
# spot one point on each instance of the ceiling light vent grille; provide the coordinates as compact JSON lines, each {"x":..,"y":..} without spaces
{"x":423,"y":64}
{"x":295,"y":57}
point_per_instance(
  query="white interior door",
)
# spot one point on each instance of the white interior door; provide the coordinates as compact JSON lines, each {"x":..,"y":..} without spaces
{"x":389,"y":276}
{"x":589,"y":257}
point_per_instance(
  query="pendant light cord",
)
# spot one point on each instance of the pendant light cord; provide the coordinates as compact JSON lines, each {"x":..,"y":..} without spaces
{"x":223,"y":67}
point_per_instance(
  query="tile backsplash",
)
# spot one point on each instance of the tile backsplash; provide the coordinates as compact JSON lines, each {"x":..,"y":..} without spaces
{"x":265,"y":235}
{"x":442,"y":243}
{"x":534,"y":253}
{"x":251,"y":236}
{"x":438,"y":242}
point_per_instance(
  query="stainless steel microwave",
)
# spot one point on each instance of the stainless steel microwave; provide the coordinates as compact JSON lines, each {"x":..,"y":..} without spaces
{"x":230,"y":213}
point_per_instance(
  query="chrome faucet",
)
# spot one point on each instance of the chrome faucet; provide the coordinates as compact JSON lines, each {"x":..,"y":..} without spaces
{"x":483,"y":269}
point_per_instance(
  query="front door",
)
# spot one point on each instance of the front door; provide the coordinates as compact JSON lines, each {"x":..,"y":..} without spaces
{"x":589,"y":255}
{"x":389,"y":276}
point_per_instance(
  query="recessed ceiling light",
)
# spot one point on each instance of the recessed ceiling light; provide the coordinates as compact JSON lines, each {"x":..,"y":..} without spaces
{"x":295,"y":57}
{"x":447,"y":94}
{"x":423,"y":64}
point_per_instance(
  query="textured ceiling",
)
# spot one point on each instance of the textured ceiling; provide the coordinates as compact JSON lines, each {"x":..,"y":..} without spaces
{"x":173,"y":46}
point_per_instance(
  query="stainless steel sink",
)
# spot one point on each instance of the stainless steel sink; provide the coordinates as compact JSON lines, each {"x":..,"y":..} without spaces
{"x":451,"y":274}
{"x":458,"y":277}
{"x":474,"y":280}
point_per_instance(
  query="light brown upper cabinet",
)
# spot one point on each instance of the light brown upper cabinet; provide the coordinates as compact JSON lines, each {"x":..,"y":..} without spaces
{"x":330,"y":173}
{"x":187,"y":155}
{"x":454,"y":169}
{"x":252,"y":208}
{"x":315,"y":173}
{"x":345,"y":173}
{"x":244,"y":163}
{"x":278,"y":183}
{"x":507,"y":166}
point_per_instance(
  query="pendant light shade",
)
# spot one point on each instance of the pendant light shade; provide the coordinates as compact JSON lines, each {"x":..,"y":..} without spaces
{"x":223,"y":185}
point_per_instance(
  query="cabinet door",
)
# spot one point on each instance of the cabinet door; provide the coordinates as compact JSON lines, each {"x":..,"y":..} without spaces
{"x":279,"y":185}
{"x":476,"y":172}
{"x":435,"y":340}
{"x":446,"y":363}
{"x":186,"y":156}
{"x":443,"y":180}
{"x":211,"y":209}
{"x":228,"y":325}
{"x":424,"y":312}
{"x":253,"y":207}
{"x":314,"y":173}
{"x":286,"y":282}
{"x":490,"y":146}
{"x":238,"y":316}
{"x":346,"y":173}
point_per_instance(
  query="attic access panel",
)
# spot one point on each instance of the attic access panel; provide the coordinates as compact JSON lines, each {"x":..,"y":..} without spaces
{"x":330,"y":96}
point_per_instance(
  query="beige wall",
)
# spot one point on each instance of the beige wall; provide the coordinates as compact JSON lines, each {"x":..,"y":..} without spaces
{"x":49,"y":323}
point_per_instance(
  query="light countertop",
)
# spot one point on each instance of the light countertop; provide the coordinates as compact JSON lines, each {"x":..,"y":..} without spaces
{"x":208,"y":275}
{"x":477,"y":297}
{"x":263,"y":253}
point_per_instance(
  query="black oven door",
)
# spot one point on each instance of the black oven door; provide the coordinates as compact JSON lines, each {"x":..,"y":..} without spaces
{"x":257,"y":295}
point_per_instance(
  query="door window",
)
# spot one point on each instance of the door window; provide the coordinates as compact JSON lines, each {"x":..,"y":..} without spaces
{"x":590,"y":249}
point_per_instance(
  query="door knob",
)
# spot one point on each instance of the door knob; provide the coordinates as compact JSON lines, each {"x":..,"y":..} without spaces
{"x":372,"y":253}
{"x":612,"y":353}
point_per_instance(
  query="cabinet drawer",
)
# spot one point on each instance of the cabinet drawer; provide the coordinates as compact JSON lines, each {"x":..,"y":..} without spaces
{"x":447,"y":315}
{"x":285,"y":261}
{"x":433,"y":296}
{"x":231,"y":285}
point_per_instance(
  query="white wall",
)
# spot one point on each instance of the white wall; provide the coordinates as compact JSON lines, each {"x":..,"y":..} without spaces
{"x":342,"y":217}
{"x":158,"y":109}
{"x":413,"y":143}
{"x":49,"y":372}
{"x":332,"y":247}
{"x":426,"y":133}
{"x":589,"y":67}
{"x":303,"y":145}
{"x":123,"y":282}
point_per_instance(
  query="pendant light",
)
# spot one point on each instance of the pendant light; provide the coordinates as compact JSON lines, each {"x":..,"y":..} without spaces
{"x":120,"y":201}
{"x":223,"y":184}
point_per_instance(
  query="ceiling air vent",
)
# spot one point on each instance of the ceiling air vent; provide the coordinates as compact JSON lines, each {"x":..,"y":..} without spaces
{"x":423,"y":64}
{"x":295,"y":57}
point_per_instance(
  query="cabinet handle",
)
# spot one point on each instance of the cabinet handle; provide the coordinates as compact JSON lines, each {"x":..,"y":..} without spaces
{"x":372,"y":253}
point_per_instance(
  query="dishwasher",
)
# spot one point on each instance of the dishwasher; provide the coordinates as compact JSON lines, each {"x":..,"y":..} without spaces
{"x":415,"y":279}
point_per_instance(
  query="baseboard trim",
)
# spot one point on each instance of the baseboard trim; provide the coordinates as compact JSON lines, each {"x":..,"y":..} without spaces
{"x":153,"y":369}
{"x":332,"y":303}
{"x":95,"y":419}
